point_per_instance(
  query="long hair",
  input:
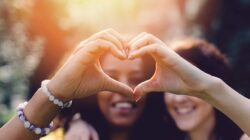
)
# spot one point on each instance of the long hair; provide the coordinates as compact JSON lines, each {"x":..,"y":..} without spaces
{"x":148,"y":126}
{"x":210,"y":60}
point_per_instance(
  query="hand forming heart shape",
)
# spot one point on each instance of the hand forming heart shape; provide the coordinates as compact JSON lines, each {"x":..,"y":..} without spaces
{"x":83,"y":76}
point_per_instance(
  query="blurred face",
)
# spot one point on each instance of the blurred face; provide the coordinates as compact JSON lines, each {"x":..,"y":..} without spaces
{"x":121,"y":111}
{"x":189,"y":113}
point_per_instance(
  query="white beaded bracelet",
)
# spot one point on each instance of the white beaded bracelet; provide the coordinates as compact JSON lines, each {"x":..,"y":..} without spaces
{"x":28,"y":125}
{"x":52,"y":98}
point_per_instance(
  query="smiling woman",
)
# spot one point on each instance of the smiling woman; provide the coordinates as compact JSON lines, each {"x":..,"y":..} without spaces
{"x":117,"y":117}
{"x":193,"y":116}
{"x":119,"y":110}
{"x":82,"y":76}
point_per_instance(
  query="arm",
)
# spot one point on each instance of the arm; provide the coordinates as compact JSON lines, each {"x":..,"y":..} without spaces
{"x":39,"y":110}
{"x":176,"y":75}
{"x":231,"y":103}
{"x":80,"y":76}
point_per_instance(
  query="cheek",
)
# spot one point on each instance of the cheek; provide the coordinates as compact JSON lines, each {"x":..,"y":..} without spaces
{"x":203,"y":108}
{"x":103,"y":101}
{"x":205,"y":111}
{"x":167,"y":100}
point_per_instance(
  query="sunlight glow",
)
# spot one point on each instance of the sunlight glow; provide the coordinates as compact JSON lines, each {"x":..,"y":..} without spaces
{"x":95,"y":13}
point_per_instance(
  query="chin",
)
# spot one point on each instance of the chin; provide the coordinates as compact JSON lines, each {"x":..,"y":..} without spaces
{"x":185,"y":127}
{"x":123,"y":124}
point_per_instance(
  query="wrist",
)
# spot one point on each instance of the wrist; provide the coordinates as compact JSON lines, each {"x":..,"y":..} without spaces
{"x":57,"y":91}
{"x":213,"y":89}
{"x":52,"y":98}
{"x":40,"y":111}
{"x":42,"y":131}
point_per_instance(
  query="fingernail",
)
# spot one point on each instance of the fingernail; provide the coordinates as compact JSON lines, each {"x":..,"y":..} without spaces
{"x":136,"y":97}
{"x":137,"y":100}
{"x":125,"y":54}
{"x":121,"y":54}
{"x":131,"y":55}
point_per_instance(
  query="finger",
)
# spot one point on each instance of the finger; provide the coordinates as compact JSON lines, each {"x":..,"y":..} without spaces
{"x":97,"y":47}
{"x":80,"y":46}
{"x":94,"y":135}
{"x":121,"y":39}
{"x":109,"y":35}
{"x":117,"y":87}
{"x":137,"y":37}
{"x":167,"y":56}
{"x":143,"y":88}
{"x":134,"y":40}
{"x":146,"y":40}
{"x":150,"y":49}
{"x":117,"y":35}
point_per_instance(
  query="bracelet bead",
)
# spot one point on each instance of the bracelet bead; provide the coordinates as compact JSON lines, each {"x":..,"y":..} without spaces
{"x":28,"y":125}
{"x":52,"y":98}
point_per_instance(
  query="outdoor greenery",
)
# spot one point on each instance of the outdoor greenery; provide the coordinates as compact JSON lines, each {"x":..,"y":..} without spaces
{"x":19,"y":55}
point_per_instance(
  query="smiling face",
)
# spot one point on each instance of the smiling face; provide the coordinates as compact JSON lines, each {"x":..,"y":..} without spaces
{"x":190,"y":113}
{"x":121,"y":111}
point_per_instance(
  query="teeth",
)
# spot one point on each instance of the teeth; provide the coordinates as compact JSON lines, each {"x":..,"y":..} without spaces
{"x":184,"y":110}
{"x":123,"y":105}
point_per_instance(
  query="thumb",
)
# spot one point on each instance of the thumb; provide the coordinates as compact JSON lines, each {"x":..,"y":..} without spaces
{"x":143,"y":88}
{"x":93,"y":132}
{"x":117,"y":87}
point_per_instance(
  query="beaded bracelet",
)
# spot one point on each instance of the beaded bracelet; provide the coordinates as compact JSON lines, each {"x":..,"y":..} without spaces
{"x":37,"y":130}
{"x":53,"y":98}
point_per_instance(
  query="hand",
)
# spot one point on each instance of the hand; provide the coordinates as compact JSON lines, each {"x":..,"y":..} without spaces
{"x":82,"y":75}
{"x":81,"y":130}
{"x":173,"y":73}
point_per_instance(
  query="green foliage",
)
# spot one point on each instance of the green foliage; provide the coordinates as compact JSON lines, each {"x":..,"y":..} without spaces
{"x":19,"y":55}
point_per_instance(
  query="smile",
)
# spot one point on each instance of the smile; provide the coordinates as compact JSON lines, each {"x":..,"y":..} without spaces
{"x":184,"y":110}
{"x":124,"y":105}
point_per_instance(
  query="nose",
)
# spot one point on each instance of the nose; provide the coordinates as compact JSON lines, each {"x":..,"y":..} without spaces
{"x":180,"y":98}
{"x":119,"y":97}
{"x":124,"y":79}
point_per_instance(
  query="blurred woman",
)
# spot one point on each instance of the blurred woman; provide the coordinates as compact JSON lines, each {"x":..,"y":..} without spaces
{"x":112,"y":116}
{"x":197,"y":119}
{"x":82,"y":76}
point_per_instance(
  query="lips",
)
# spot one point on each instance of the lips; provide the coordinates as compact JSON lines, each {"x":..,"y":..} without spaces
{"x":124,"y":105}
{"x":184,"y":110}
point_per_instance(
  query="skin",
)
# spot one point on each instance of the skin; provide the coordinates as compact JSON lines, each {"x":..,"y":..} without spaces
{"x":88,"y":77}
{"x":176,"y":75}
{"x":81,"y":76}
{"x":129,"y":73}
{"x":192,"y":115}
{"x":81,"y":130}
{"x":173,"y":74}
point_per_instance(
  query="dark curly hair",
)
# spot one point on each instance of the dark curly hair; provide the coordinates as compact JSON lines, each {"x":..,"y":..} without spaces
{"x":209,"y":59}
{"x":149,"y":125}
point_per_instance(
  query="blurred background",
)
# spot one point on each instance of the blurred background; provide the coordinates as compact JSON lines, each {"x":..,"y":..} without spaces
{"x":35,"y":35}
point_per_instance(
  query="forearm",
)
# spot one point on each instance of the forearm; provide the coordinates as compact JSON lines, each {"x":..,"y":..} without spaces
{"x":39,"y":111}
{"x":231,"y":103}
